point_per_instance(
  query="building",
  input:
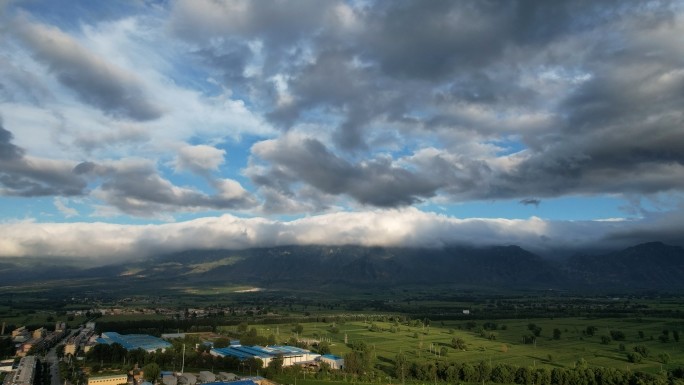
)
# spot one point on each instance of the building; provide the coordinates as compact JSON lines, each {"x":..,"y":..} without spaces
{"x":291,"y":355}
{"x":25,"y":371}
{"x":6,"y":366}
{"x":169,"y":379}
{"x":79,"y":341}
{"x":20,"y":335}
{"x":223,"y":376}
{"x":334,"y":361}
{"x":187,"y":379}
{"x":39,"y":333}
{"x":60,"y":326}
{"x":109,"y":380}
{"x":171,"y":336}
{"x":134,"y":341}
{"x":205,"y":376}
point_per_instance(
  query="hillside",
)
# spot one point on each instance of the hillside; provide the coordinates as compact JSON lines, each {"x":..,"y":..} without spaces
{"x":651,"y":266}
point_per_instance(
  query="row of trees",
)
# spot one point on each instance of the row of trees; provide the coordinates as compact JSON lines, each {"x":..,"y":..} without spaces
{"x":508,"y":374}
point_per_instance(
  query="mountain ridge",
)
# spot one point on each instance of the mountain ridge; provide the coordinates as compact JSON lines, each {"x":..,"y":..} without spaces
{"x":647,"y":266}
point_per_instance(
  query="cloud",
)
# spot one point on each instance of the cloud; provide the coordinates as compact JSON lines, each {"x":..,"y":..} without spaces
{"x":135,"y":187}
{"x":199,"y":159}
{"x":375,"y":182}
{"x":530,"y":201}
{"x":376,"y":104}
{"x":61,"y":205}
{"x":26,"y":176}
{"x":8,"y":151}
{"x":97,"y":82}
{"x":281,"y":23}
{"x":388,"y":228}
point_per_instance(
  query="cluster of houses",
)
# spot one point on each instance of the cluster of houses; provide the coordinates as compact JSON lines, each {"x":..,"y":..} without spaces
{"x":27,"y":341}
{"x":83,"y":341}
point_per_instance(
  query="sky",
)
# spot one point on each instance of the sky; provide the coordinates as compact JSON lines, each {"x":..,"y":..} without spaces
{"x":134,"y":127}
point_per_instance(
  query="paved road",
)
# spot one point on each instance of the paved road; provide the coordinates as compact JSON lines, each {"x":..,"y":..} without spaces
{"x":51,"y":358}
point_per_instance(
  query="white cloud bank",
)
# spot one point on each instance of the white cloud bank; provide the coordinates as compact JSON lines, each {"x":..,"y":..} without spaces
{"x":105,"y":243}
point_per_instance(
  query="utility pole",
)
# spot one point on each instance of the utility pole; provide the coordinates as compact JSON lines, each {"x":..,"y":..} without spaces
{"x":183,"y":362}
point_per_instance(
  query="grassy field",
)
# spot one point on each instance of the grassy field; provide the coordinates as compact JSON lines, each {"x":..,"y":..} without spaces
{"x":422,"y":343}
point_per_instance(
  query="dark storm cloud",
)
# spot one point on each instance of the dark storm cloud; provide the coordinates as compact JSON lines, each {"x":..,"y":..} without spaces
{"x":230,"y":60}
{"x":279,"y":23}
{"x":410,"y":100}
{"x":664,"y":227}
{"x":92,"y":78}
{"x":357,"y":95}
{"x":376,"y":182}
{"x":530,"y":202}
{"x":135,"y":188}
{"x":30,"y":177}
{"x":430,"y":40}
{"x":8,"y":151}
{"x":610,"y":101}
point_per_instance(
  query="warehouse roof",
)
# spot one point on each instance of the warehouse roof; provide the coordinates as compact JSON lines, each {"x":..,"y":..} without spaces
{"x":134,"y":341}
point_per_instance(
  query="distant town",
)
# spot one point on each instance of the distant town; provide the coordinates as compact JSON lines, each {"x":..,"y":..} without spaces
{"x":42,"y":351}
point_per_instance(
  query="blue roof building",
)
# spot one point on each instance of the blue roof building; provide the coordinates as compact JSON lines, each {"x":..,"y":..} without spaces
{"x":335,"y":362}
{"x":134,"y":341}
{"x":291,"y":355}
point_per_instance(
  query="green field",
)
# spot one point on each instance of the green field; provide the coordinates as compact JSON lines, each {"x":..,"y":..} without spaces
{"x":493,"y":332}
{"x":424,"y":343}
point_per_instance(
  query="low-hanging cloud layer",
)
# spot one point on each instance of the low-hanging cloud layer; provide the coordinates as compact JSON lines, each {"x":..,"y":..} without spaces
{"x":105,"y":242}
{"x":129,"y":112}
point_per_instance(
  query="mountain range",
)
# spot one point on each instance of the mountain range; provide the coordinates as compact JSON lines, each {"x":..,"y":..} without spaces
{"x":645,"y":267}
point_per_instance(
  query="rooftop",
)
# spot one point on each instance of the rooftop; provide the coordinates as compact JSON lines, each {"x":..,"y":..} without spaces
{"x":134,"y":341}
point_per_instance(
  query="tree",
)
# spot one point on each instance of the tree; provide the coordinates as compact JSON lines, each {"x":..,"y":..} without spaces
{"x":484,"y":371}
{"x":401,"y":366}
{"x":359,"y":360}
{"x":523,"y":375}
{"x":605,"y":340}
{"x":617,"y":335}
{"x":542,"y":376}
{"x":536,"y":330}
{"x":581,"y":363}
{"x":324,"y":348}
{"x":641,"y":349}
{"x":151,"y":372}
{"x":468,"y":373}
{"x":60,"y":351}
{"x":556,"y":334}
{"x":664,"y":358}
{"x":458,"y":343}
{"x":590,"y":330}
{"x":254,"y":363}
{"x":634,"y":357}
{"x":222,"y":342}
{"x":502,"y":374}
{"x":452,"y":375}
{"x":276,"y":364}
{"x":298,"y":328}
